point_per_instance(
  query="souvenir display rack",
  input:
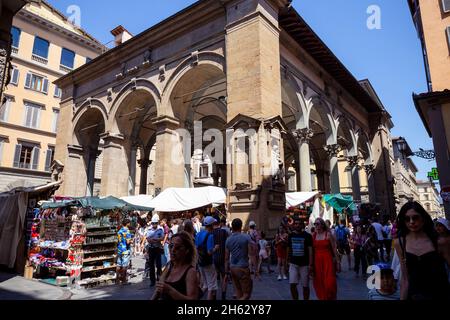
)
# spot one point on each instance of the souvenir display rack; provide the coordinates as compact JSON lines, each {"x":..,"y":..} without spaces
{"x":99,"y":251}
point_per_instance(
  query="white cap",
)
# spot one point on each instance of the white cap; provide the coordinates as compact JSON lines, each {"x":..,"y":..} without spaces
{"x":252,"y":224}
{"x":444,"y":222}
{"x":155,"y":219}
{"x":209,"y":221}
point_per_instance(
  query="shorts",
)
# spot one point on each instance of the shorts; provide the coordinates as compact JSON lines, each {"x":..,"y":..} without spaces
{"x":123,"y":260}
{"x":281,"y":252}
{"x":299,"y":274}
{"x":343,"y":248}
{"x":242,"y":280}
{"x":209,"y":276}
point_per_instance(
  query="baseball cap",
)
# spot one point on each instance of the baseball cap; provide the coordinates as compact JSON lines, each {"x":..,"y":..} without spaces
{"x":252,"y":224}
{"x":444,"y":222}
{"x":209,"y":221}
{"x":155,"y":219}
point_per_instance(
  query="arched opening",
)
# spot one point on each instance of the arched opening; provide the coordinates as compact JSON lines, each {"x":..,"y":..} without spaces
{"x":199,"y":102}
{"x":88,"y":128}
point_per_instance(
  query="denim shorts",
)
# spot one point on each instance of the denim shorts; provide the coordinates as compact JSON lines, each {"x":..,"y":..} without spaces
{"x":123,"y":260}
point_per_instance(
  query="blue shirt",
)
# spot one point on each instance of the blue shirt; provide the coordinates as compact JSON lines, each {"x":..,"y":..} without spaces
{"x":374,"y":294}
{"x":123,"y":235}
{"x":237,"y":245}
{"x":201,"y":237}
{"x":155,"y":234}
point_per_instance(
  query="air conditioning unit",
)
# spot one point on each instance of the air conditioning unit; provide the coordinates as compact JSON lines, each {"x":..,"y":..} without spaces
{"x":446,"y":6}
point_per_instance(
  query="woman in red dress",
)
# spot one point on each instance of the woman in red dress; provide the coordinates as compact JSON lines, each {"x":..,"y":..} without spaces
{"x":325,"y":262}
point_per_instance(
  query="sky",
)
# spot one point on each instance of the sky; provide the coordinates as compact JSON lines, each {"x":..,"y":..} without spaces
{"x":390,"y":57}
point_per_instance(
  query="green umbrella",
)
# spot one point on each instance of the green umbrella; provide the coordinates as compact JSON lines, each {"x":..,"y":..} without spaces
{"x":340,"y":202}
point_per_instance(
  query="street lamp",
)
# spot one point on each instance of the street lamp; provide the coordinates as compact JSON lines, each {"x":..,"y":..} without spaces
{"x":402,"y":146}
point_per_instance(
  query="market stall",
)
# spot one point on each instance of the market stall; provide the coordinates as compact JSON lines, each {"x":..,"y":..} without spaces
{"x":299,"y":204}
{"x":74,"y":240}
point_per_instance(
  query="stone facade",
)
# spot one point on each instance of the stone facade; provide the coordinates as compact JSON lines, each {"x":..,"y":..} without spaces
{"x":240,"y":70}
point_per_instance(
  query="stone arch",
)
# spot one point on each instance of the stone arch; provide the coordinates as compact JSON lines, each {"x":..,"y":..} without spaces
{"x":127,"y":90}
{"x":197,"y":60}
{"x":86,"y":106}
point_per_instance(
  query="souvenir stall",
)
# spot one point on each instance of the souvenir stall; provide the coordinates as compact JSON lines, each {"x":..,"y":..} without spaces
{"x":300,"y":204}
{"x":74,"y":241}
{"x":185,"y":203}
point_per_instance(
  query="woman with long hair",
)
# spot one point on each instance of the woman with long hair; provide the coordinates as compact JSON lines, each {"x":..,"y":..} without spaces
{"x":188,"y":227}
{"x":179,"y":281}
{"x":371,"y":246}
{"x":326,"y":262}
{"x":423,"y":274}
{"x":281,"y":244}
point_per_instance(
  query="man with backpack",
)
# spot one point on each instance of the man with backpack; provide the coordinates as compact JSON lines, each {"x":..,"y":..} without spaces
{"x":343,"y":245}
{"x":204,"y":242}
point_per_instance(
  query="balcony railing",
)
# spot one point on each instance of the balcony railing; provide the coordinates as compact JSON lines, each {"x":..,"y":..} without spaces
{"x":64,"y":68}
{"x":39,"y":59}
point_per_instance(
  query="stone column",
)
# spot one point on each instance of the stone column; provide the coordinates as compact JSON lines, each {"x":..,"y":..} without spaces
{"x":303,"y":137}
{"x":75,"y":176}
{"x":369,"y":169}
{"x":170,"y":162}
{"x":144,"y":163}
{"x":115,"y":170}
{"x":356,"y":186}
{"x":332,"y":152}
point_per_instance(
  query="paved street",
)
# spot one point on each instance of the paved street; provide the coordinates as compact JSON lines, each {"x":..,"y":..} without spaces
{"x":15,"y":287}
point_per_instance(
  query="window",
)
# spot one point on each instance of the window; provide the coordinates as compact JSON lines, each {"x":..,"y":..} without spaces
{"x":40,"y":47}
{"x":204,"y":171}
{"x":446,"y":6}
{"x":88,"y":59}
{"x":58,"y":92}
{"x":14,"y":76}
{"x":67,"y":58}
{"x":427,"y":206}
{"x":36,"y":83}
{"x":26,"y":156}
{"x":55,"y":120}
{"x":15,"y":33}
{"x":4,"y":109}
{"x":32,"y":113}
{"x":49,"y":156}
{"x":2,"y":142}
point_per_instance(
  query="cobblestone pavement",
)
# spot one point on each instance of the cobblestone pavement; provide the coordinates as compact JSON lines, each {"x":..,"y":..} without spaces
{"x":268,"y":288}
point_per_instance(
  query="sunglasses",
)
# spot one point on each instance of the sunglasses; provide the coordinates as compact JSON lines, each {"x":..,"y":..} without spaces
{"x":413,"y":218}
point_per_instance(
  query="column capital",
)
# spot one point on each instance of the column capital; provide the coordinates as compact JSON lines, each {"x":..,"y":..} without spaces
{"x":303,"y":135}
{"x":353,"y":161}
{"x":332,"y":150}
{"x":112,"y":140}
{"x":369,"y":168}
{"x":144,"y":163}
{"x":75,"y":151}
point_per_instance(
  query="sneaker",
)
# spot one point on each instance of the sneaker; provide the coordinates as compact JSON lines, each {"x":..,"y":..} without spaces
{"x":279,"y":277}
{"x":285,"y":278}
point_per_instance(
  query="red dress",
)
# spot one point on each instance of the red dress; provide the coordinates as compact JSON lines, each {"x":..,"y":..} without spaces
{"x":324,"y":270}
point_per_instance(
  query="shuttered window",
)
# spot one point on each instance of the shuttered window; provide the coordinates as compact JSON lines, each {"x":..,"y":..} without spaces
{"x":49,"y":156}
{"x":32,"y":115}
{"x":55,"y":120}
{"x":40,"y":47}
{"x":4,"y":109}
{"x":57,"y":92}
{"x":36,"y":83}
{"x":67,"y":58}
{"x":2,"y":142}
{"x":446,"y":6}
{"x":26,"y":156}
{"x":15,"y":32}
{"x":14,"y":76}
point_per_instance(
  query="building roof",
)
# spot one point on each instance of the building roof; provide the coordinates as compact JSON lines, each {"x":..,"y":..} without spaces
{"x":45,"y":11}
{"x":421,"y":100}
{"x":289,"y":20}
{"x":295,"y":25}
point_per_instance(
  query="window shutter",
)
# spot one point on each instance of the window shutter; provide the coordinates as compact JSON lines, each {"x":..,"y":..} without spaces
{"x":36,"y":118}
{"x":17,"y":156}
{"x":446,"y":6}
{"x":28,"y":115}
{"x":48,"y":159}
{"x":45,"y":86}
{"x":28,"y":81}
{"x":15,"y":76}
{"x":35,"y":158}
{"x":4,"y":110}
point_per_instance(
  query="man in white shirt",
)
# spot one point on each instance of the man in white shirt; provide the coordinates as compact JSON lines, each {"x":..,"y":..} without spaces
{"x":379,"y":230}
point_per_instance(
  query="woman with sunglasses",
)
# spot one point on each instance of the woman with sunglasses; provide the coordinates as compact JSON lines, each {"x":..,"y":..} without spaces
{"x":179,"y":281}
{"x":326,"y":262}
{"x":423,"y":274}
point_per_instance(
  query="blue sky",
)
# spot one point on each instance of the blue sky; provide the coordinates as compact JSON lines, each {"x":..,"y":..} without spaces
{"x":390,"y":57}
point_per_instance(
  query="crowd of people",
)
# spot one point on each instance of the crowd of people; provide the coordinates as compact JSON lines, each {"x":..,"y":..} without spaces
{"x":198,"y":258}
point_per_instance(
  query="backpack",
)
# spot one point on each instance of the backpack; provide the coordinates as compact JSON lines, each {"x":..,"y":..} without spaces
{"x":341,"y":235}
{"x":204,"y":258}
